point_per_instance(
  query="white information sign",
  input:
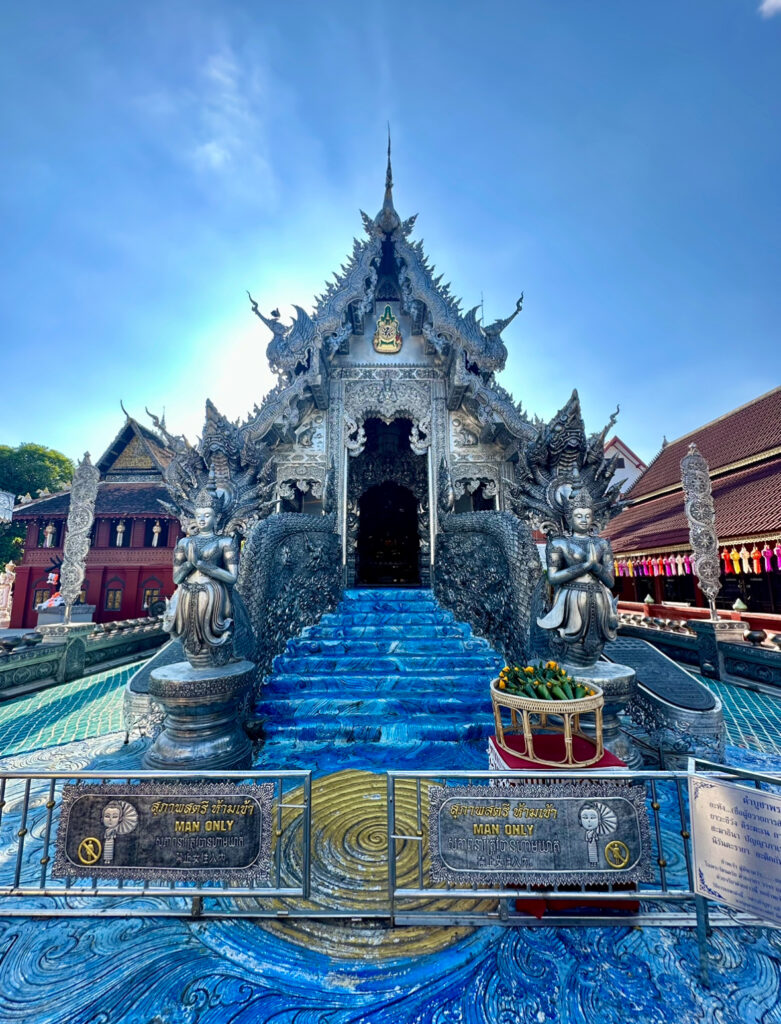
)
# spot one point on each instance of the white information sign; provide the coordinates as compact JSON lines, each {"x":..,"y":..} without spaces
{"x":736,"y":840}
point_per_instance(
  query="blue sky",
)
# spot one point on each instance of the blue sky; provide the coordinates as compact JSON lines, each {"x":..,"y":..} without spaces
{"x":618,"y":162}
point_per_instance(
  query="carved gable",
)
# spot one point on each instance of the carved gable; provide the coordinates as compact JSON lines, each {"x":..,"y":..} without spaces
{"x":133,"y":456}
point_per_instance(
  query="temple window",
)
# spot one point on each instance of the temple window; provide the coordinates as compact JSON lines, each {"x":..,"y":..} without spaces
{"x":120,"y":534}
{"x":40,"y":595}
{"x":463,"y":504}
{"x":50,"y":534}
{"x":113,"y":599}
{"x":156,"y":533}
{"x":294,"y":503}
{"x":150,"y":594}
{"x":312,"y":506}
{"x":473,"y":497}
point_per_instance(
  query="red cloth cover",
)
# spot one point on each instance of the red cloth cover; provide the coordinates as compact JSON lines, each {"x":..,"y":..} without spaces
{"x":551,"y":747}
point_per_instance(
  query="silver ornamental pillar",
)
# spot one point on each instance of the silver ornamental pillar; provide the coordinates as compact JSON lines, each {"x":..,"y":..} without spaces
{"x":84,"y":491}
{"x":701,"y":516}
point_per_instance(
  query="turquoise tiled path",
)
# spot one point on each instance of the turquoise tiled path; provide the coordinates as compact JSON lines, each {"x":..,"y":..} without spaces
{"x":753,"y":720}
{"x":87,"y":707}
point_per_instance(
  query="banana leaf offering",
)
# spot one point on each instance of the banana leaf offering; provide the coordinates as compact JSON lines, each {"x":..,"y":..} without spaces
{"x":543,"y":681}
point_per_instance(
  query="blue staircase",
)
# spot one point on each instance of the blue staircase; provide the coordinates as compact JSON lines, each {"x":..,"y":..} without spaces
{"x":388,"y":671}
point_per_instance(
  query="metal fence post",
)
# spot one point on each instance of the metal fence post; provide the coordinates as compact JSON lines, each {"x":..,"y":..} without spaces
{"x":701,"y":906}
{"x":391,"y":849}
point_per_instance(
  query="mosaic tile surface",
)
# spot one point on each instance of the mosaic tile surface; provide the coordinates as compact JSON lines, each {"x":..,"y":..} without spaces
{"x":752,"y":720}
{"x":91,"y":706}
{"x":79,"y":971}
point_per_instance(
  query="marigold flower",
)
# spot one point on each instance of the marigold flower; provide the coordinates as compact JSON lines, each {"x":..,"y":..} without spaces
{"x":529,"y":670}
{"x":552,"y":664}
{"x":502,"y":684}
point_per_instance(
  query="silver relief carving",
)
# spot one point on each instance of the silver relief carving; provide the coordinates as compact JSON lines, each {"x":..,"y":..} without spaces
{"x":701,"y":517}
{"x":388,"y":399}
{"x":81,"y":512}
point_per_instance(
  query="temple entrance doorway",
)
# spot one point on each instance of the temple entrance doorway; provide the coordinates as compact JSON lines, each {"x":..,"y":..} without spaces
{"x":388,"y":539}
{"x":388,"y":543}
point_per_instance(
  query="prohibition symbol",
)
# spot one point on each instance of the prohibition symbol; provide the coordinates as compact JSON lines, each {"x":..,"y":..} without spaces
{"x":90,"y":849}
{"x":617,"y":854}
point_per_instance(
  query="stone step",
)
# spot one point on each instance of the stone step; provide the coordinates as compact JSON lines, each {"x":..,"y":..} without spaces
{"x":406,"y":753}
{"x":341,"y":729}
{"x":453,"y":630}
{"x":338,"y":682}
{"x":407,"y":664}
{"x":395,"y":618}
{"x":395,"y":594}
{"x":389,"y":666}
{"x":382,"y":606}
{"x":468,"y":707}
{"x":390,"y":645}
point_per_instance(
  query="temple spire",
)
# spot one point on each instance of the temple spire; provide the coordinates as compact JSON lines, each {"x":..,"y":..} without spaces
{"x":389,"y":173}
{"x":387,"y":219}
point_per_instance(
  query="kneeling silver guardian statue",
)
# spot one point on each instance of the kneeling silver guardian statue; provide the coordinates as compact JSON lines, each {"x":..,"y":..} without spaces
{"x":580,"y":570}
{"x":206,"y":568}
{"x":563,"y":487}
{"x":218,"y":493}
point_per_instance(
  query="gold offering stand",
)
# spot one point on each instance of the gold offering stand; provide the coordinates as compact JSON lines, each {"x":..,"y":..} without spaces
{"x":569,"y":711}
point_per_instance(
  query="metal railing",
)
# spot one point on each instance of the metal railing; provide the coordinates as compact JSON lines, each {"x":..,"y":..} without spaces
{"x":30,"y":806}
{"x":669,"y":900}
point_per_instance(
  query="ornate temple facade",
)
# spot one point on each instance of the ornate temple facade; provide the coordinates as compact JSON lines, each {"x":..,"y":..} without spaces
{"x":128,"y":567}
{"x":384,"y":383}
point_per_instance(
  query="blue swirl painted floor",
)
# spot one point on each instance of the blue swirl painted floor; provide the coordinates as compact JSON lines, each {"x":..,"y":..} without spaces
{"x":88,"y":971}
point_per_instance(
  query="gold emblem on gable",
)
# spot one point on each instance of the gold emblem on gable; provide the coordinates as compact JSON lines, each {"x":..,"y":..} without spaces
{"x":387,"y":337}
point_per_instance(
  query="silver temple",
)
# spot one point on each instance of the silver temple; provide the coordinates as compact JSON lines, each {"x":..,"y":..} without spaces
{"x":388,"y":454}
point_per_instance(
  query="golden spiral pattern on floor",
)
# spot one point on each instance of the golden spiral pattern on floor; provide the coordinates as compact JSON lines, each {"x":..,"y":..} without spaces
{"x":349,"y":869}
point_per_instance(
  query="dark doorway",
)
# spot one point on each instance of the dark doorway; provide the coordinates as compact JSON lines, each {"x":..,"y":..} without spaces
{"x":388,"y":545}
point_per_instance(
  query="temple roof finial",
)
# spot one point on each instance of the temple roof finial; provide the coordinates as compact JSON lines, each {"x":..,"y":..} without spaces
{"x":387,"y":219}
{"x":389,"y":171}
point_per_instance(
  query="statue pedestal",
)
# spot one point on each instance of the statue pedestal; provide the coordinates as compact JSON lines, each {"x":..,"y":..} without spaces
{"x":710,"y":633}
{"x":618,"y":684}
{"x":201,"y":730}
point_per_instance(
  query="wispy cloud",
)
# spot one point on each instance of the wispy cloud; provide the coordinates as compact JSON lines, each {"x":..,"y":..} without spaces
{"x":232,"y":101}
{"x":217,"y":121}
{"x":770,"y":7}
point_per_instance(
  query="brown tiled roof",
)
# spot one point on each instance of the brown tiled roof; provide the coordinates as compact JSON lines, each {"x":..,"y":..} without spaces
{"x":114,"y":499}
{"x":747,"y":503}
{"x":741,"y":434}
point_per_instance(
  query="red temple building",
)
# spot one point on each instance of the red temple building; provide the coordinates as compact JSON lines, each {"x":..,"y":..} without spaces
{"x":651,"y":538}
{"x":129,"y":565}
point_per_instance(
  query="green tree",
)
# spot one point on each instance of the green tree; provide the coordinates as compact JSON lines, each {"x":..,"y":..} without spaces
{"x":27,"y":469}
